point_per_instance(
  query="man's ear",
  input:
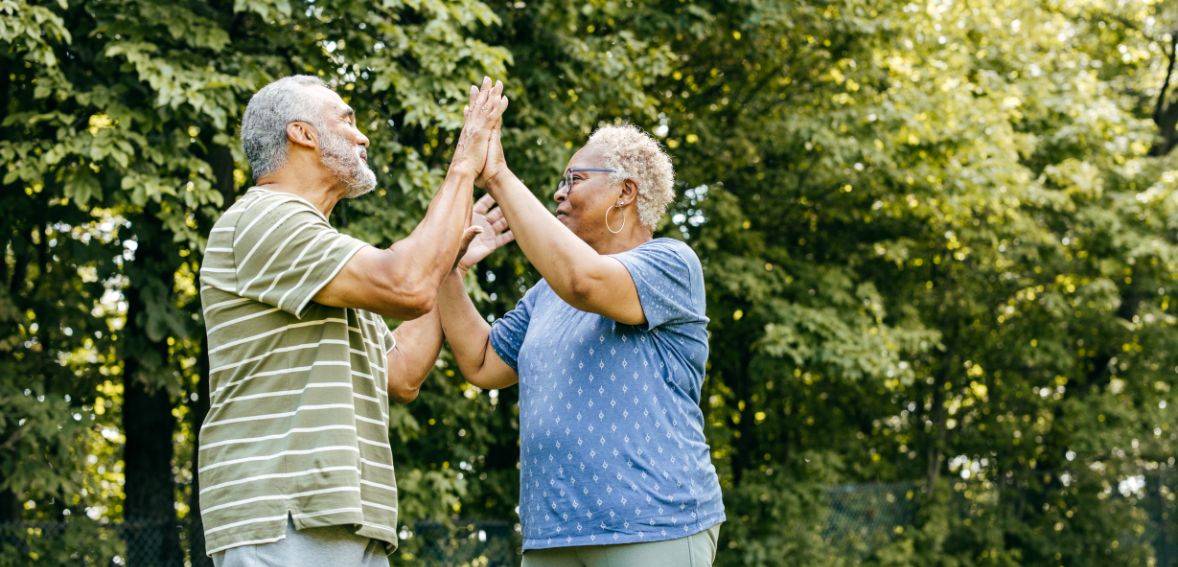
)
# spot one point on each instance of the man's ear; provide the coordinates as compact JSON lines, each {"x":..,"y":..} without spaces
{"x":302,"y":134}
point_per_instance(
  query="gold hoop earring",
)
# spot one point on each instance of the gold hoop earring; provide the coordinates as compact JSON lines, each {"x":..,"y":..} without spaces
{"x":610,"y":228}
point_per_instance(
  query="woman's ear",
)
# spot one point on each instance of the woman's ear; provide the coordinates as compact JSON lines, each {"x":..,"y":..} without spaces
{"x":629,"y":191}
{"x":302,"y":134}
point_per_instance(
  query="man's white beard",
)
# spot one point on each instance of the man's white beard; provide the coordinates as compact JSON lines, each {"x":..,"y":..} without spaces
{"x":343,"y":159}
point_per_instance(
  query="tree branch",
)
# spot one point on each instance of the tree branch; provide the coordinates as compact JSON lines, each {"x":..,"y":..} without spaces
{"x":1161,"y":103}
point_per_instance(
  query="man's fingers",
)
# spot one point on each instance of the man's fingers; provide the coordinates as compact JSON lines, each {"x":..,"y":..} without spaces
{"x":485,"y":91}
{"x":504,"y":239}
{"x":476,"y":97}
{"x":467,"y":236}
{"x":492,"y":94}
{"x":495,"y":134}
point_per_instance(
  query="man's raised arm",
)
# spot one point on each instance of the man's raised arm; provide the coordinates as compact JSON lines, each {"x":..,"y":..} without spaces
{"x":402,"y":281}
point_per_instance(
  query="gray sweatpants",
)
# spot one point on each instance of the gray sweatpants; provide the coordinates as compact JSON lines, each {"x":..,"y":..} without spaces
{"x":312,"y":547}
{"x":697,"y":550}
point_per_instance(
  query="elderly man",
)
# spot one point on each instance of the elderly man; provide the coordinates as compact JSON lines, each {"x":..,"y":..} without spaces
{"x":294,"y":459}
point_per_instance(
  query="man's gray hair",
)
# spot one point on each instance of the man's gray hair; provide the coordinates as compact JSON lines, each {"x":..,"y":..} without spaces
{"x":270,"y":110}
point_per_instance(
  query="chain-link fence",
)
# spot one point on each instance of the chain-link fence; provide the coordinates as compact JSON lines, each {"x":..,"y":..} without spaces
{"x":858,"y":518}
{"x":485,"y":543}
{"x":861,"y":515}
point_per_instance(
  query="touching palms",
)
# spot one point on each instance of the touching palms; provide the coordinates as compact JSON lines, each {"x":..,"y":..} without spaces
{"x":495,"y":232}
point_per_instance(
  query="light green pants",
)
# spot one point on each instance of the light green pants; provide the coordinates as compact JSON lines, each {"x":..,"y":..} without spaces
{"x":697,"y":550}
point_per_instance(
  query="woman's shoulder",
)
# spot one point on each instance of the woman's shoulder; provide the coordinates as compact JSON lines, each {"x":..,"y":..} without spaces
{"x":665,"y":249}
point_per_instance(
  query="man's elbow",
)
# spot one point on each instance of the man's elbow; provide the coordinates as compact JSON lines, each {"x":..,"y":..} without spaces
{"x":408,"y":302}
{"x":416,"y":305}
{"x":403,"y":393}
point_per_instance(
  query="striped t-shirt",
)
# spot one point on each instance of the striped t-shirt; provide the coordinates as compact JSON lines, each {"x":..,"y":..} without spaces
{"x":298,"y":422}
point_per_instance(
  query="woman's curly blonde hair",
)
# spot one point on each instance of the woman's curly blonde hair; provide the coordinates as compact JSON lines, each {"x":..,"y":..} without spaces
{"x":637,"y":155}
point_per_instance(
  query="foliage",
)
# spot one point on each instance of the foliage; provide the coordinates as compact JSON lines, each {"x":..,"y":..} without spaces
{"x":940,"y":242}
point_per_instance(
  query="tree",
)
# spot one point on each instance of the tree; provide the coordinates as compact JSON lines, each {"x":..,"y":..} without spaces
{"x":939,"y":243}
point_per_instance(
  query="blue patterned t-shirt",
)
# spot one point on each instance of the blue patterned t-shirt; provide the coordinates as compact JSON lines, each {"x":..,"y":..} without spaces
{"x":612,"y":448}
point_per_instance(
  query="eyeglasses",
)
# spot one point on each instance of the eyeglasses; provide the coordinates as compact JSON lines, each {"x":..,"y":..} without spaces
{"x":566,"y":182}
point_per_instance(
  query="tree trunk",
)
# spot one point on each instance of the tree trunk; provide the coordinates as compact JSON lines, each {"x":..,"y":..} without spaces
{"x":11,"y":534}
{"x":9,"y":507}
{"x":935,"y":451}
{"x":149,"y":513}
{"x":221,"y":160}
{"x":1165,"y":114}
{"x":744,"y":446}
{"x":198,"y":408}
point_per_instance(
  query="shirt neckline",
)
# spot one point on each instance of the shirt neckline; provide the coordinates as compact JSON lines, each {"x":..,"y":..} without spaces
{"x":293,"y":197}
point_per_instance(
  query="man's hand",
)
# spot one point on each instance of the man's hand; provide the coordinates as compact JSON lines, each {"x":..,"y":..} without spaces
{"x":482,"y":114}
{"x":494,"y":233}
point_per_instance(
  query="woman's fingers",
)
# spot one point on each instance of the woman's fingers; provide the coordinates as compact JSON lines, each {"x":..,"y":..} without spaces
{"x":496,"y":219}
{"x":484,"y":204}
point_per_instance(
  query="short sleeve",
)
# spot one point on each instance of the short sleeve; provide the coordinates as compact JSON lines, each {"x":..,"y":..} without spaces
{"x":669,"y":280}
{"x":508,"y":331}
{"x":285,"y":252}
{"x":388,"y":339}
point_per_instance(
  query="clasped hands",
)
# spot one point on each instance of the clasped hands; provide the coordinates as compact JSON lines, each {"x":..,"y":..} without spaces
{"x":479,"y":153}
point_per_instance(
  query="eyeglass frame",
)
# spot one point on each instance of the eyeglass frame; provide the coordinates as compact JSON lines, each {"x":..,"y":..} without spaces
{"x":566,"y":180}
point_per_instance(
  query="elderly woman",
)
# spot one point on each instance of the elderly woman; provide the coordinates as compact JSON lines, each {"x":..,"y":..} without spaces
{"x":609,"y":350}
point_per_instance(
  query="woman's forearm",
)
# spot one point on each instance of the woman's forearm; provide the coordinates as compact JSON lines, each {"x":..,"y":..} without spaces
{"x":558,"y":254}
{"x":418,"y":343}
{"x":466,"y":331}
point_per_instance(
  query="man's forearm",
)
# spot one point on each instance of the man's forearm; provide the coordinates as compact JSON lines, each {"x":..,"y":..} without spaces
{"x":428,"y":252}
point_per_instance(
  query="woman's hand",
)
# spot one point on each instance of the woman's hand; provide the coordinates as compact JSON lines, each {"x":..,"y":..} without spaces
{"x":495,"y":233}
{"x":482,"y":114}
{"x":496,"y":163}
